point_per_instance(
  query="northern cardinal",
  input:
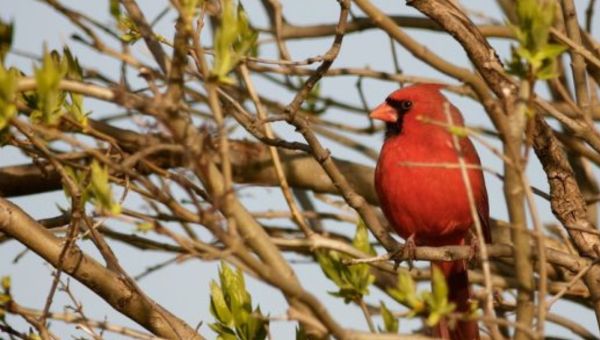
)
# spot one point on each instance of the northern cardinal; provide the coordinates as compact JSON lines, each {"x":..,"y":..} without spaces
{"x":421,"y":189}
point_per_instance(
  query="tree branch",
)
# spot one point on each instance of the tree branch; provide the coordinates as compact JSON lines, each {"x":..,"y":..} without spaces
{"x":106,"y":283}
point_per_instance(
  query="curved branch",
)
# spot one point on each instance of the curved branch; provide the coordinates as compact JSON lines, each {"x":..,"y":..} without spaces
{"x":361,"y":24}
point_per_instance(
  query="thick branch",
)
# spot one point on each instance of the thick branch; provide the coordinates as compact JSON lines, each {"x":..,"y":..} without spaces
{"x":107,"y":284}
{"x":251,"y":164}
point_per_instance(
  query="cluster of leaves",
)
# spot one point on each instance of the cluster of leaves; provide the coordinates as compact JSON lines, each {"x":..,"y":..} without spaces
{"x":234,"y":39}
{"x":434,"y":304}
{"x":353,"y":281}
{"x":231,"y":305}
{"x":535,"y":56}
{"x":96,"y":188}
{"x":48,"y":102}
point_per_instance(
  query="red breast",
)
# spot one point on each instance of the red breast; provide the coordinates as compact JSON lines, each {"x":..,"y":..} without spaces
{"x":417,"y":179}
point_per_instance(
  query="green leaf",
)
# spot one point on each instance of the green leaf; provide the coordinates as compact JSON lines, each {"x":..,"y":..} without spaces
{"x":390,"y":322}
{"x":515,"y":64}
{"x":535,"y":56}
{"x":439,"y":286}
{"x":231,"y":305}
{"x":234,"y":39}
{"x":189,"y":6}
{"x":80,"y":178}
{"x":459,"y":131}
{"x":71,"y":63}
{"x":50,"y":98}
{"x":535,"y":17}
{"x":434,"y":304}
{"x":224,"y":333}
{"x":218,"y":306}
{"x":100,"y":190}
{"x":247,"y":35}
{"x":75,"y":108}
{"x":8,"y":90}
{"x":438,"y":300}
{"x":360,"y":274}
{"x":5,"y":283}
{"x":234,"y":289}
{"x":438,"y":313}
{"x":6,"y":39}
{"x":405,"y":293}
{"x":361,"y":239}
{"x":353,"y":281}
{"x":145,"y":227}
{"x":547,"y":61}
{"x":130,"y":38}
{"x":545,"y":72}
{"x":301,"y":333}
{"x":131,"y":33}
{"x":551,"y":51}
{"x":256,"y":326}
{"x":328,"y":260}
{"x":114,"y":9}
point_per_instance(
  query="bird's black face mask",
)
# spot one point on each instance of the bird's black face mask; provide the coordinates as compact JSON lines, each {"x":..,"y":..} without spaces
{"x":402,"y":107}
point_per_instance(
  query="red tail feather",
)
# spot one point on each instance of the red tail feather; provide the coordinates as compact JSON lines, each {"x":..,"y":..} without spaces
{"x":458,"y":292}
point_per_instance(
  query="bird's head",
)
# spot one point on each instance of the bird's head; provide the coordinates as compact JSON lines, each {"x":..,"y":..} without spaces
{"x":408,"y":103}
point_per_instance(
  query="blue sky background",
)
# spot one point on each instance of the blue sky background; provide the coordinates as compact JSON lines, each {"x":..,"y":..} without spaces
{"x":183,"y":288}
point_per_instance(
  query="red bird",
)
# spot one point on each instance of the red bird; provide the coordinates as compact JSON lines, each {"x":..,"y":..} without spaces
{"x":427,"y":203}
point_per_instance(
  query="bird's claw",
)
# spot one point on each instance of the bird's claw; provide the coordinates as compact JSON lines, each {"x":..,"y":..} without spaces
{"x":473,"y":252}
{"x":405,"y":252}
{"x":474,"y":249}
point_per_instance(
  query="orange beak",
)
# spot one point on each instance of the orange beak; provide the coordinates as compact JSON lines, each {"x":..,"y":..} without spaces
{"x":385,"y":113}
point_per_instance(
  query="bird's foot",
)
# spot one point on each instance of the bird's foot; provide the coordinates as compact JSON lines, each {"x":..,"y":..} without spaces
{"x":473,"y":253}
{"x":474,"y":249}
{"x":405,"y":252}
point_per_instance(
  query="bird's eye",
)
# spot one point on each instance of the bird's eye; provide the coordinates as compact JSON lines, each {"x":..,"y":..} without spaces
{"x":402,"y":105}
{"x":405,"y":105}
